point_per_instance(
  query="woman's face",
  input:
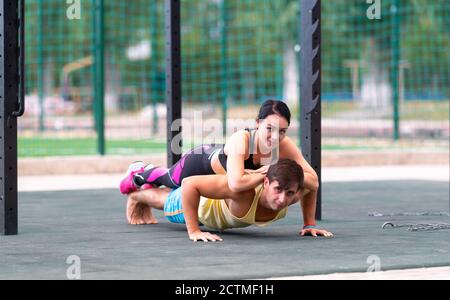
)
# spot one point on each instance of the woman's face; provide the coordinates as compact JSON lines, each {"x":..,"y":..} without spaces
{"x":272,"y":130}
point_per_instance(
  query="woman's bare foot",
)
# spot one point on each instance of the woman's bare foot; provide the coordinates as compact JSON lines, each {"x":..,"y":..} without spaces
{"x":139,"y":213}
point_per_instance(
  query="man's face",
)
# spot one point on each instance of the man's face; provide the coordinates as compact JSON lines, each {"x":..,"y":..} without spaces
{"x":278,"y":198}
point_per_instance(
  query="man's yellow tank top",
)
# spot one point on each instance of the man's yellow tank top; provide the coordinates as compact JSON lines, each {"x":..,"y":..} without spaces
{"x":216,"y":214}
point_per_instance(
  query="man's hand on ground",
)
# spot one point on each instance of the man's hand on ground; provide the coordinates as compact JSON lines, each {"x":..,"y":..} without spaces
{"x":204,"y":236}
{"x":316,"y":232}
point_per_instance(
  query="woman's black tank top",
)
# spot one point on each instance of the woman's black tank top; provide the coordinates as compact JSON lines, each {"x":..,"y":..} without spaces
{"x":248,"y":163}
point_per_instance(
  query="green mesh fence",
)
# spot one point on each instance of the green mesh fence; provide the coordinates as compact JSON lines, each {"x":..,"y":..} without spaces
{"x":387,"y":72}
{"x":58,"y":83}
{"x":383,"y":78}
{"x":233,"y":59}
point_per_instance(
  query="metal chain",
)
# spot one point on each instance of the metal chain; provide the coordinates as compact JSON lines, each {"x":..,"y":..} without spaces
{"x":418,"y":227}
{"x":429,"y":227}
{"x":409,"y":214}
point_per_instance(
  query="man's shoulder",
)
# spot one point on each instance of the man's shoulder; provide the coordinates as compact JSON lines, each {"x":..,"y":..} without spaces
{"x":244,"y":196}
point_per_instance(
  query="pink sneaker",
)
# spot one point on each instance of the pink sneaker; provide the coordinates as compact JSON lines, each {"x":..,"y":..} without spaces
{"x":127,"y":185}
{"x":140,"y":182}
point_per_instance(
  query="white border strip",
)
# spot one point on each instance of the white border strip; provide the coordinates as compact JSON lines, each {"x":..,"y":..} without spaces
{"x":409,"y":274}
{"x":386,"y":173}
{"x":351,"y":174}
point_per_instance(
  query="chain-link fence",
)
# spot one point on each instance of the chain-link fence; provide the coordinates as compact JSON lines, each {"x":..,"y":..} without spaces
{"x":386,"y":71}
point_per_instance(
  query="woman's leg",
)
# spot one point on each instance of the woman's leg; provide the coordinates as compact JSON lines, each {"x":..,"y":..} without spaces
{"x":195,"y":162}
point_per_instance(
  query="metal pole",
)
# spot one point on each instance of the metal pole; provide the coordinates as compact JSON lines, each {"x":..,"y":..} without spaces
{"x":395,"y":66}
{"x":224,"y":64}
{"x":310,"y":81}
{"x":99,"y":75}
{"x":11,"y":98}
{"x":173,"y":78}
{"x":41,"y":75}
{"x":154,"y":65}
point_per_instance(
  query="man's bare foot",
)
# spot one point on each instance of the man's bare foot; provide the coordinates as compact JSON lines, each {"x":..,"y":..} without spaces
{"x":139,"y":213}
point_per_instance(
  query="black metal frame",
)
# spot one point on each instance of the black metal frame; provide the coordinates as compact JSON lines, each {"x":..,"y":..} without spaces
{"x":173,"y":77}
{"x":12,"y":94}
{"x":311,"y":91}
{"x":98,"y":68}
{"x":12,"y":105}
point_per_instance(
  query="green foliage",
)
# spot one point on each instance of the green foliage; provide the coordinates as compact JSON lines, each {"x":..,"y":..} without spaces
{"x":255,"y":33}
{"x":233,"y":52}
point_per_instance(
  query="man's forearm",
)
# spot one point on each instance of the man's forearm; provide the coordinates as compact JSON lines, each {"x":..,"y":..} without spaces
{"x":309,"y":201}
{"x":190,"y":201}
{"x":308,"y":204}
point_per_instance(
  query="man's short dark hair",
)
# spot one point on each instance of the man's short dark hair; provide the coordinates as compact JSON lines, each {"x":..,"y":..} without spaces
{"x":287,"y":172}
